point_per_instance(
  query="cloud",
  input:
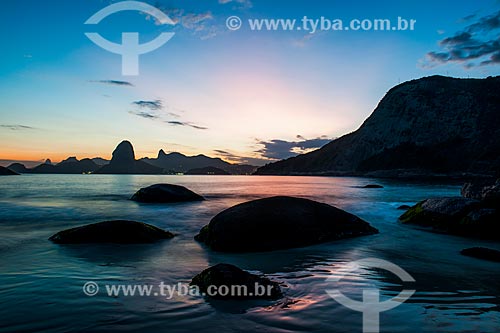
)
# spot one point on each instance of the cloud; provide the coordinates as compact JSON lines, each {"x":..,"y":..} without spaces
{"x":17,"y":127}
{"x":234,"y":158}
{"x":145,"y":114}
{"x":281,"y":149}
{"x":476,"y":45}
{"x":241,"y":3}
{"x":114,"y":82}
{"x":151,"y":105}
{"x":182,"y":123}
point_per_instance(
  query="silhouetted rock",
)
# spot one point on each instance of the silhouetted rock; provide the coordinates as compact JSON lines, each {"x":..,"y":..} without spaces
{"x":207,"y":171}
{"x":433,"y":125}
{"x":482,"y":253}
{"x":229,"y":276}
{"x":165,"y":193}
{"x":404,"y":207}
{"x":278,"y":223}
{"x":123,"y":162}
{"x":119,"y":231}
{"x":7,"y":172}
{"x":373,"y":186}
{"x":455,"y":215}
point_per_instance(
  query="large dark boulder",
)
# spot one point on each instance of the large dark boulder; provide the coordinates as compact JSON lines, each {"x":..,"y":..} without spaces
{"x":6,"y":172}
{"x":482,"y":253}
{"x":455,"y":215}
{"x":239,"y":283}
{"x":279,"y":223}
{"x":165,"y":193}
{"x":118,"y":231}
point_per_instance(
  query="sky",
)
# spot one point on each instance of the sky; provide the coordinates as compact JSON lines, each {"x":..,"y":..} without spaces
{"x":244,"y":95}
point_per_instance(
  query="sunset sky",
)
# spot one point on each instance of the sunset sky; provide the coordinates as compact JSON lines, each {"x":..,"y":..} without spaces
{"x":245,"y":96}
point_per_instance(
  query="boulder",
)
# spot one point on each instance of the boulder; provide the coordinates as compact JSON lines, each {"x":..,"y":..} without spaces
{"x":118,"y":231}
{"x":278,"y":223}
{"x":239,"y":283}
{"x":482,"y":253}
{"x":165,"y":193}
{"x":454,"y":215}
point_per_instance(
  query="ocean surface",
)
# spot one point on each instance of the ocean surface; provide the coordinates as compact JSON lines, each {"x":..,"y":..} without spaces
{"x":41,"y":283}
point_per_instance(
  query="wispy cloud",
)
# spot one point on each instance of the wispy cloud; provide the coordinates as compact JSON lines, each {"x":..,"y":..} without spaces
{"x":151,"y":105}
{"x":182,"y":123}
{"x":114,"y":82}
{"x":280,"y":149}
{"x":17,"y":127}
{"x":476,"y":45}
{"x":239,"y":159}
{"x":241,"y":3}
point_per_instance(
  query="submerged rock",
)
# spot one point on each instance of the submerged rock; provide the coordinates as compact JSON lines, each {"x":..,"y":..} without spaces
{"x":404,"y":207}
{"x":118,"y":231}
{"x":482,"y":253}
{"x":165,"y":193}
{"x":232,"y":278}
{"x":279,"y":223}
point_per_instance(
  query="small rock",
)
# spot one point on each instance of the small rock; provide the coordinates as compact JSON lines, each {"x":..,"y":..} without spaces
{"x":239,"y":283}
{"x":482,"y":253}
{"x":373,"y":186}
{"x":404,"y":207}
{"x":165,"y":193}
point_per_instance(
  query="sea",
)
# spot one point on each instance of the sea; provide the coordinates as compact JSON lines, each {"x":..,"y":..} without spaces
{"x":42,"y":284}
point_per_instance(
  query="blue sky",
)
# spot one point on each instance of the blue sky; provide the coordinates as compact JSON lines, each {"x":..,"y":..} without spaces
{"x":246,"y":96}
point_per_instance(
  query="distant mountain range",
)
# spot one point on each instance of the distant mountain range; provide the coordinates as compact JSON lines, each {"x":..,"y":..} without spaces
{"x":430,"y":126}
{"x":123,"y":162}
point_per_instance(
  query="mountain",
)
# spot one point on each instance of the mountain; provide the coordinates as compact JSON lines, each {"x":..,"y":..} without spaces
{"x":6,"y":172}
{"x":433,"y":125}
{"x":70,"y":165}
{"x":207,"y":171}
{"x":124,"y":162}
{"x":18,"y":168}
{"x":177,"y":162}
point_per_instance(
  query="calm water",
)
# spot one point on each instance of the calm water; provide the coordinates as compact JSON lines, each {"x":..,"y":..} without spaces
{"x":41,"y":283}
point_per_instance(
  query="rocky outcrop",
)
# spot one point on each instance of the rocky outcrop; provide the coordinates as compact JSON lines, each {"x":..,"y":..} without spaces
{"x":482,"y":253}
{"x":124,"y":162}
{"x":239,"y":283}
{"x":7,"y":172}
{"x":487,"y":192}
{"x":433,"y":125}
{"x":165,"y":193}
{"x":279,"y":223}
{"x":455,"y":215}
{"x":118,"y":231}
